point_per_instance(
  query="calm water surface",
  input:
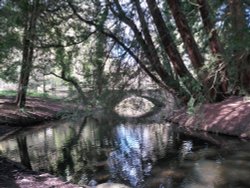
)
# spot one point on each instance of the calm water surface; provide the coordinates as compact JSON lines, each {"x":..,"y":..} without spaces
{"x":136,"y":154}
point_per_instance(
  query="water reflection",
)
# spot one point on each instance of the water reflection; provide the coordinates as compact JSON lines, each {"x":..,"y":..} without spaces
{"x":138,"y":148}
{"x":23,"y":151}
{"x":138,"y":155}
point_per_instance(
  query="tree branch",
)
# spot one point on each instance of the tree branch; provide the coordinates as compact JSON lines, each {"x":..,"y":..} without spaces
{"x":118,"y":41}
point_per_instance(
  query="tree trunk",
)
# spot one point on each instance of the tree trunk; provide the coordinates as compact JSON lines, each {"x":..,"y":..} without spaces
{"x":239,"y":38}
{"x":148,"y":49}
{"x":100,"y":54}
{"x":25,"y":73}
{"x":165,"y":81}
{"x":73,"y":81}
{"x":220,"y":88}
{"x":191,"y":46}
{"x":171,"y":50}
{"x":238,"y":23}
{"x":186,"y":34}
{"x":76,"y":85}
{"x":28,"y":50}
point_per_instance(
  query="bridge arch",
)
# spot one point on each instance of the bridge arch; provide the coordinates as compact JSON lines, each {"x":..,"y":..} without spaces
{"x":140,"y":103}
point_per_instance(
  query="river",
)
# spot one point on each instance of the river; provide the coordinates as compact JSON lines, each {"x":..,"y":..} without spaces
{"x":140,"y":154}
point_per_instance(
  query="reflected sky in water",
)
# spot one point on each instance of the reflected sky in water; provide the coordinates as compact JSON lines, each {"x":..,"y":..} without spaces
{"x":138,"y":155}
{"x":138,"y":148}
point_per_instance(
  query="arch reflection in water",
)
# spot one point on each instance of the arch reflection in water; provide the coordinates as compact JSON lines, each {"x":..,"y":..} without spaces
{"x":138,"y":147}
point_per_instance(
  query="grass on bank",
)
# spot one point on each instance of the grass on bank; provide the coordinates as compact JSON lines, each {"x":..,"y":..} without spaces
{"x":7,"y":93}
{"x":12,"y":93}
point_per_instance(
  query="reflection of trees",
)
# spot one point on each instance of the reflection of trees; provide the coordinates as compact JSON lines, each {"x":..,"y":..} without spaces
{"x":142,"y":155}
{"x":92,"y":149}
{"x":83,"y":155}
{"x":46,"y":152}
{"x":66,"y":161}
{"x":23,"y":150}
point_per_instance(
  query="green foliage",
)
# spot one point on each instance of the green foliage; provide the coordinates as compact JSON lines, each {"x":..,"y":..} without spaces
{"x":9,"y":93}
{"x":12,"y":93}
{"x":79,"y":51}
{"x":10,"y":42}
{"x":40,"y":95}
{"x":191,"y":106}
{"x":9,"y":72}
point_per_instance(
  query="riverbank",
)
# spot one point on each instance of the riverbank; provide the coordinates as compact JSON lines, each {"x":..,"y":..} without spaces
{"x":37,"y":110}
{"x":229,"y":117}
{"x":12,"y":119}
{"x":15,"y":175}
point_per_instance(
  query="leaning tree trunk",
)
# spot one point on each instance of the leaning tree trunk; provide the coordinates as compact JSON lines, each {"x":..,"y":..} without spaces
{"x":191,"y":46}
{"x":153,"y":68}
{"x":186,"y":34}
{"x":28,"y":50}
{"x":220,"y":88}
{"x":148,"y":49}
{"x":72,"y":80}
{"x":172,"y":51}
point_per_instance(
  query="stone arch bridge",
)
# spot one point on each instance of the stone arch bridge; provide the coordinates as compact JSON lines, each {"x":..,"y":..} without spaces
{"x":155,"y":96}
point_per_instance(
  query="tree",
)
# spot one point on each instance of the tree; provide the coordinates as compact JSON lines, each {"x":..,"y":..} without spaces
{"x":171,"y":49}
{"x":64,"y":60}
{"x":212,"y":77}
{"x":100,"y":55}
{"x":10,"y":42}
{"x":239,"y":43}
{"x":148,"y":47}
{"x":192,"y":48}
{"x":31,"y":11}
{"x":220,"y":86}
{"x":204,"y":63}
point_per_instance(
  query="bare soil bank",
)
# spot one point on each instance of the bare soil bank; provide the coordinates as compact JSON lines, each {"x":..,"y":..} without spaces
{"x":230,"y":117}
{"x":37,"y":110}
{"x":12,"y":174}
